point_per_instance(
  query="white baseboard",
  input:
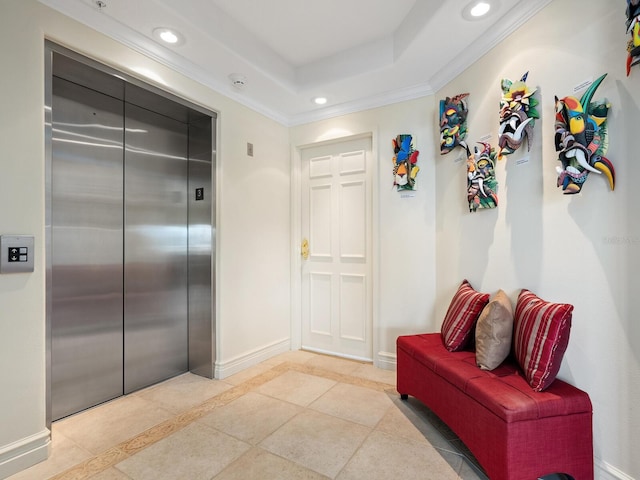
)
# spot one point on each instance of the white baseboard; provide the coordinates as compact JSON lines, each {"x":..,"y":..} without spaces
{"x":386,"y":360}
{"x":24,"y":453}
{"x":334,"y":354}
{"x":249,"y":359}
{"x":604,"y":471}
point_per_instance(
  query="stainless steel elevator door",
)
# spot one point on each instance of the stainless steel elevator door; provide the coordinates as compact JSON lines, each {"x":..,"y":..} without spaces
{"x":156,"y":248}
{"x":87,"y":247}
{"x":119,"y":318}
{"x":130,"y":206}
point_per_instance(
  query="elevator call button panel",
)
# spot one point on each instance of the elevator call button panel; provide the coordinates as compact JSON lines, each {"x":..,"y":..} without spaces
{"x":16,"y":253}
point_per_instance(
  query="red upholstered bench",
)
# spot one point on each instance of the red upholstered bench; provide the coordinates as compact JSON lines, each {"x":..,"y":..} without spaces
{"x":514,"y":432}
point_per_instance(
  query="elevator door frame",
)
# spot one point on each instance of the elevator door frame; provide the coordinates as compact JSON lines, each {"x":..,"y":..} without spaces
{"x":201,"y":215}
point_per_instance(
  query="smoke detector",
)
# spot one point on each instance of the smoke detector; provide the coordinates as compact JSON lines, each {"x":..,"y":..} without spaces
{"x":238,"y":80}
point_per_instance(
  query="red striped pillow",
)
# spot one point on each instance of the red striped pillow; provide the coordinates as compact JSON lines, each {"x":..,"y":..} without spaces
{"x":464,"y":310}
{"x":540,"y":337}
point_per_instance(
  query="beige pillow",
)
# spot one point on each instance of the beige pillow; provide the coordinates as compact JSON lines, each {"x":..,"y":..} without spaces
{"x":493,"y":332}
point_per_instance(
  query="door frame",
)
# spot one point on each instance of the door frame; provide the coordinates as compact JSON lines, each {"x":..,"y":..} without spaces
{"x":296,"y":236}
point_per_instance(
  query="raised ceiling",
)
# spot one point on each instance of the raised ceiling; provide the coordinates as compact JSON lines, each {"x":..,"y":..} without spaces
{"x":358,"y":53}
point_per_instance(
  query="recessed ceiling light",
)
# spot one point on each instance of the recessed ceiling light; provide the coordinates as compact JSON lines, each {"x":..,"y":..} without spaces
{"x":477,"y":10}
{"x":480,"y":9}
{"x":168,"y":35}
{"x":320,"y":100}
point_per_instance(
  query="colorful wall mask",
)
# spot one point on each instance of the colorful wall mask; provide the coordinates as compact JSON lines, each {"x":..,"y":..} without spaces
{"x":633,"y":29}
{"x":581,"y":139}
{"x":482,"y":186}
{"x":453,"y":123}
{"x":517,"y":116}
{"x":405,"y":159}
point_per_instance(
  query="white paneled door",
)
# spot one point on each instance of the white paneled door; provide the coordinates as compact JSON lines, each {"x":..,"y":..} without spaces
{"x":337,"y":273}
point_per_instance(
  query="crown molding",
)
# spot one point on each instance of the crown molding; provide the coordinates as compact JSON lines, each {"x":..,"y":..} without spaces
{"x":374,"y":101}
{"x":106,"y":25}
{"x":504,"y":26}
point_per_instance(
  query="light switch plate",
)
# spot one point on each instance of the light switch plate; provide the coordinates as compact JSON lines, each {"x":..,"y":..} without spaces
{"x":16,"y":253}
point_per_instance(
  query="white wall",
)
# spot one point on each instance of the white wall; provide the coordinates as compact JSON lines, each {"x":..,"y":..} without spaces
{"x":253,"y":222}
{"x":405,"y":262}
{"x":254,"y":320}
{"x":580,"y":249}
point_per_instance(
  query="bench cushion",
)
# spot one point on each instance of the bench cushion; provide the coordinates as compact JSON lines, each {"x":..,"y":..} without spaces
{"x":503,"y":390}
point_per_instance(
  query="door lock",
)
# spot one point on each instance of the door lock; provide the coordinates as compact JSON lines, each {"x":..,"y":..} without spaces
{"x":304,"y":249}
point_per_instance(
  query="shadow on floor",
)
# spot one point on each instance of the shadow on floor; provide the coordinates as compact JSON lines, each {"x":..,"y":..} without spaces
{"x":446,"y":441}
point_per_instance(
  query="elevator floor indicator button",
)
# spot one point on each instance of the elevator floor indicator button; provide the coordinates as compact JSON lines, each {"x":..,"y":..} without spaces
{"x":18,"y":254}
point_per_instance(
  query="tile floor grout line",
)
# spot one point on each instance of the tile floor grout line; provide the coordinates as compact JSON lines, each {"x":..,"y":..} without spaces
{"x":110,"y":457}
{"x":355,"y":452}
{"x":341,"y":377}
{"x":116,"y":454}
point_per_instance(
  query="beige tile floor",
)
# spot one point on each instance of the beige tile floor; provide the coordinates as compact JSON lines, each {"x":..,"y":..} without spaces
{"x":297,"y":416}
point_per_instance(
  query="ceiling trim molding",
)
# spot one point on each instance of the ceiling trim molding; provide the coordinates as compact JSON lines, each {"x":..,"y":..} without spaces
{"x":505,"y":26}
{"x":376,"y":101}
{"x":139,"y":43}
